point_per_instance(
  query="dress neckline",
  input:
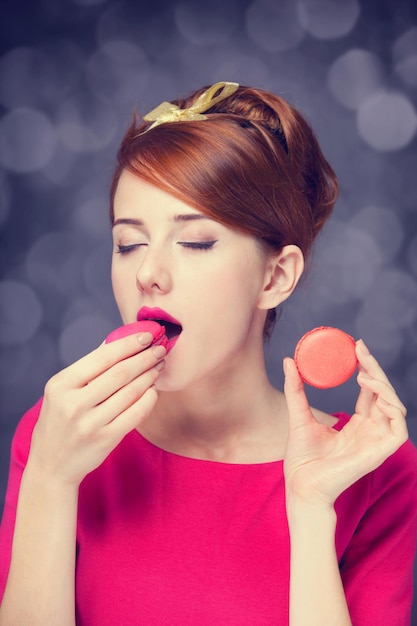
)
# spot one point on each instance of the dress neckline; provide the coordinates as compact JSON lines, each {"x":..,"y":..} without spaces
{"x":343,"y":418}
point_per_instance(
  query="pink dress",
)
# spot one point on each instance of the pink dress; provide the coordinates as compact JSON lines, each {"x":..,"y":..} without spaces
{"x":167,"y":540}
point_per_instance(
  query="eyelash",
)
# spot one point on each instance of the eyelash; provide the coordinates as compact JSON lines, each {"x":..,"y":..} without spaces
{"x":125,"y":249}
{"x":191,"y":245}
{"x":197,"y":245}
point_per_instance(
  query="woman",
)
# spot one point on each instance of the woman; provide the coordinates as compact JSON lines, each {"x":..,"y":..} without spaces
{"x":182,"y":487}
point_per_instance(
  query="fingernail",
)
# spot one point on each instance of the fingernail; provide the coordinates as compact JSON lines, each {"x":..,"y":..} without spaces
{"x":145,"y":338}
{"x":160,"y":365}
{"x":363,"y":347}
{"x":159,"y":351}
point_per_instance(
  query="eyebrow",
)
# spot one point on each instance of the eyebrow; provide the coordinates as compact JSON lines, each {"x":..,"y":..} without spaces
{"x":185,"y":217}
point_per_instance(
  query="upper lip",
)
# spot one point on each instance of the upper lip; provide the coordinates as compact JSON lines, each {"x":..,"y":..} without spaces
{"x":146,"y":313}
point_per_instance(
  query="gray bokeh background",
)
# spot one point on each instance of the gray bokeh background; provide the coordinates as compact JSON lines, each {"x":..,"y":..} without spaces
{"x":71,"y":72}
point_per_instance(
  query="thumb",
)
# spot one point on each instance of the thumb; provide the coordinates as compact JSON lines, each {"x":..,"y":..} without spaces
{"x":297,"y":403}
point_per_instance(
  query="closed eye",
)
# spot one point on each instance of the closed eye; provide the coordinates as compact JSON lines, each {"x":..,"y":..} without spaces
{"x":198,"y":245}
{"x":121,"y":249}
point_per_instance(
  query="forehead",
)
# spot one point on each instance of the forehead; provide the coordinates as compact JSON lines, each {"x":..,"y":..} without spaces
{"x":134,"y":194}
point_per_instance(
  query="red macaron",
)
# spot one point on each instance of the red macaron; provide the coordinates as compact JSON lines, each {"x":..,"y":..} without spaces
{"x":145,"y":326}
{"x":326,"y":357}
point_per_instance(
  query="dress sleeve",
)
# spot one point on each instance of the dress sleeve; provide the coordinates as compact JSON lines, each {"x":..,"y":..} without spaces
{"x":377,"y":565}
{"x":18,"y":459}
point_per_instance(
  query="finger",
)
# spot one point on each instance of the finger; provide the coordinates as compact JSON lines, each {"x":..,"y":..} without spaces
{"x":297,"y":402}
{"x":130,"y":419}
{"x":396,"y":417}
{"x":381,"y":389}
{"x":121,"y":374}
{"x":368,"y":363}
{"x":124,"y":398}
{"x":101,"y":359}
{"x":365,"y":400}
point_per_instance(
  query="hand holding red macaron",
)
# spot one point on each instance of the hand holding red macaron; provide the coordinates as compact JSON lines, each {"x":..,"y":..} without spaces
{"x":315,"y":450}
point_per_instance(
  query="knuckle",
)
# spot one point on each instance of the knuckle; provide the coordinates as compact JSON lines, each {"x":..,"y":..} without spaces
{"x":52,"y":384}
{"x":134,"y":392}
{"x":131,"y":394}
{"x":120,"y":375}
{"x":101,"y":358}
{"x":55,"y":387}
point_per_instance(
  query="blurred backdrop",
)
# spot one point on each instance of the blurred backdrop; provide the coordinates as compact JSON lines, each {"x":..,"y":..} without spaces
{"x":71,"y":72}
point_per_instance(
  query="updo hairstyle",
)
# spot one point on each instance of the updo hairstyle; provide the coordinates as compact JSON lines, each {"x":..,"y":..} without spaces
{"x":254,"y":164}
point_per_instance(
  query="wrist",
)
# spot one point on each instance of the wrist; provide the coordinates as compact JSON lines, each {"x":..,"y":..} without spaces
{"x":36,"y":476}
{"x":310,"y":516}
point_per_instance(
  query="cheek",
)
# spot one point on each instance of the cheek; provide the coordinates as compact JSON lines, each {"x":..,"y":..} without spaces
{"x":242,"y":285}
{"x":232,"y":299}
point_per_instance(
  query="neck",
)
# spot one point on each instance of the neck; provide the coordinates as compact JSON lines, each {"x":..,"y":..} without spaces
{"x":234,"y":418}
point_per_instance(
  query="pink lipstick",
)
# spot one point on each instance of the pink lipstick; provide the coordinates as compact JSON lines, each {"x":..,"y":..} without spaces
{"x":172,"y":326}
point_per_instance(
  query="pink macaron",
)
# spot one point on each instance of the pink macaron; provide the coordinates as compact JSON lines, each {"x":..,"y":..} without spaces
{"x":144,"y":326}
{"x":326,"y":357}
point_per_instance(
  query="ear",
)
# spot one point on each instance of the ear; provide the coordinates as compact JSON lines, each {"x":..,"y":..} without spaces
{"x":282,"y":273}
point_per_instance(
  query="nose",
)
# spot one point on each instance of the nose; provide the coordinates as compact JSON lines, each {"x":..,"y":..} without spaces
{"x":153,"y":274}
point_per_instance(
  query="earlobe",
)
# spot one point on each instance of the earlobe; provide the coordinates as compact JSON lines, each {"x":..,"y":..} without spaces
{"x":282,"y":274}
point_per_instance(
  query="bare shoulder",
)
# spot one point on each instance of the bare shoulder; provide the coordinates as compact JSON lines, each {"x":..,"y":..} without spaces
{"x":324,"y":418}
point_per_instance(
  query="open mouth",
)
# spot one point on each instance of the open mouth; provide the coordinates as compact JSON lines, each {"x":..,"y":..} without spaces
{"x":171,"y":330}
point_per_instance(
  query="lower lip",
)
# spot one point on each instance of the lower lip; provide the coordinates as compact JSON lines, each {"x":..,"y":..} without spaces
{"x":172,"y":342}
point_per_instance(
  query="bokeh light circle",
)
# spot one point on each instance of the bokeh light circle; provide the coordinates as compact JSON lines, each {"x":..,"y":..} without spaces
{"x":81,"y":336}
{"x":206,"y":23}
{"x":405,"y":56}
{"x":387,"y":121}
{"x":355,"y":76}
{"x":117,"y":72}
{"x":54,"y":263}
{"x":85,"y":127}
{"x":20,"y":312}
{"x":23,"y":74}
{"x":97,"y":278}
{"x":388,"y":312}
{"x":385,"y":228}
{"x":385,"y":342}
{"x":274,"y":26}
{"x":27,"y":140}
{"x":346,"y":261}
{"x":60,"y":169}
{"x":412,"y":255}
{"x":328,"y":19}
{"x":91,"y":214}
{"x":391,"y":299}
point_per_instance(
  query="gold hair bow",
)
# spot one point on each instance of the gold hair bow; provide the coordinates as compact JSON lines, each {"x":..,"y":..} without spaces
{"x":167,"y":112}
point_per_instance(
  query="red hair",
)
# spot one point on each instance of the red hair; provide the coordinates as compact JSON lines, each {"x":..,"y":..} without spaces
{"x":255,"y":165}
